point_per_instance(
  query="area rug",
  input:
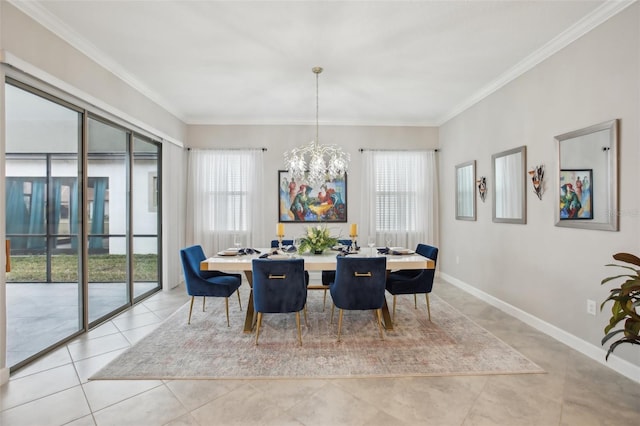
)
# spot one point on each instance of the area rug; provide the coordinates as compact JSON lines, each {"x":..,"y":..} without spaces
{"x":451,"y":344}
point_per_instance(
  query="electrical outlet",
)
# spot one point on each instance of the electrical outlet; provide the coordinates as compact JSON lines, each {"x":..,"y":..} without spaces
{"x":591,"y":306}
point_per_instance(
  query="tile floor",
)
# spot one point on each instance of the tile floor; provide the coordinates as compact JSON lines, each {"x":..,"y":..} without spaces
{"x":576,"y":390}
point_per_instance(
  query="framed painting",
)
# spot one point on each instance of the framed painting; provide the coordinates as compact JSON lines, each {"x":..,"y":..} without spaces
{"x":576,"y":194}
{"x":299,"y":202}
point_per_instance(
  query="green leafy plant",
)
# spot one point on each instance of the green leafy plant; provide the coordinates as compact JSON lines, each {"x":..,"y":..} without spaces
{"x":317,"y":239}
{"x":626,"y":304}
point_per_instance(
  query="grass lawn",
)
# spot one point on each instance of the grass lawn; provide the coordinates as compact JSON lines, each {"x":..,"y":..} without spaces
{"x":64,"y":268}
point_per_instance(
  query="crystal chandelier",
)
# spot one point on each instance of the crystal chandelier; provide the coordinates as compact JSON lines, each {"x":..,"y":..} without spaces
{"x":315,"y":163}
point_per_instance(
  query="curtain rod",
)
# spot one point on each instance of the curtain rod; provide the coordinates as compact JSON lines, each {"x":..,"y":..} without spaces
{"x":370,"y":149}
{"x":231,"y":149}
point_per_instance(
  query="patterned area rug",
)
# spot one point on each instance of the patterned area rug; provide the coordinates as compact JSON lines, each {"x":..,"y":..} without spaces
{"x":451,"y":344}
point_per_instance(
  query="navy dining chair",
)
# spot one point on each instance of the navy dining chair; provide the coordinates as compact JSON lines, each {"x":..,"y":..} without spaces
{"x":359,"y":285}
{"x":414,"y":281}
{"x":279,"y":286}
{"x":207,"y":283}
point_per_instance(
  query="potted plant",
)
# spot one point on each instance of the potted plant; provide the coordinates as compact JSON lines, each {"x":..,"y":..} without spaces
{"x":626,"y":304}
{"x":317,"y":239}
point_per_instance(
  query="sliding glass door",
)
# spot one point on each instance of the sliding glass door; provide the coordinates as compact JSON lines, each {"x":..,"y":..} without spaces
{"x":82,"y":218}
{"x":44,"y":294}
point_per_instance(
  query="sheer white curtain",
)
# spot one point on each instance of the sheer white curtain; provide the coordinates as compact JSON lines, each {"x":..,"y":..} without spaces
{"x":174,"y":162}
{"x":224,"y":198}
{"x":400,"y":197}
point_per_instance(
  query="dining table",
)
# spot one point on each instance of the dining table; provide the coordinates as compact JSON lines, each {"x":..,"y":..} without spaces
{"x":227,"y":261}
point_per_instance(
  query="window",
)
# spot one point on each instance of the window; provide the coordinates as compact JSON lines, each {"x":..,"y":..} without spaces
{"x":224,"y":199}
{"x":400,"y":192}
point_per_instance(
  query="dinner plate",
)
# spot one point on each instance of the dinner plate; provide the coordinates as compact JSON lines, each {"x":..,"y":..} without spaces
{"x":400,"y":250}
{"x":228,"y":253}
{"x":279,"y":257}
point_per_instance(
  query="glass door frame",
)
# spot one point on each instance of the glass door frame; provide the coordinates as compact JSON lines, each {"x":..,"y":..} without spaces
{"x":38,"y":88}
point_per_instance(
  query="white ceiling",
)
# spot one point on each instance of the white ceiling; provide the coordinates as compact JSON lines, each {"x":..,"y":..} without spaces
{"x":385,"y":62}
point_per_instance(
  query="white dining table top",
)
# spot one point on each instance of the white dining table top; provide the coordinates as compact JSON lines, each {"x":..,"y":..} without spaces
{"x":315,"y":262}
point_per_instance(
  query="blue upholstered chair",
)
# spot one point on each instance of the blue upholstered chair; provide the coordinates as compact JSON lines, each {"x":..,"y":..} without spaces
{"x":414,"y":281}
{"x":274,"y":244}
{"x":207,"y":283}
{"x":359,"y":285}
{"x":279,"y":286}
{"x":329,"y":276}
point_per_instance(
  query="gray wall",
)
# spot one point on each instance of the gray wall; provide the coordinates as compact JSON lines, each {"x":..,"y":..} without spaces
{"x":546,"y":271}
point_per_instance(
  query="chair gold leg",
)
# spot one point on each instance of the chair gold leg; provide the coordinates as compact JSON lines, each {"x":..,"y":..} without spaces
{"x":428,"y":306}
{"x":239,"y":301}
{"x":379,"y":312}
{"x":415,"y":301}
{"x":324,"y":300}
{"x":340,"y":323}
{"x":299,"y":328}
{"x":226,"y":305}
{"x":331,"y":320}
{"x":203,"y":299}
{"x":190,"y":309}
{"x":393,"y":315}
{"x":258,"y":327}
{"x":306,"y":319}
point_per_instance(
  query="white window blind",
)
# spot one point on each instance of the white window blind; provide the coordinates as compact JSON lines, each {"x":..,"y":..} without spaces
{"x":400,"y":195}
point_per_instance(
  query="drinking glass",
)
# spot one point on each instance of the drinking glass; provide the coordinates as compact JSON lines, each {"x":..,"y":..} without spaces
{"x":237,"y":242}
{"x":371,"y":242}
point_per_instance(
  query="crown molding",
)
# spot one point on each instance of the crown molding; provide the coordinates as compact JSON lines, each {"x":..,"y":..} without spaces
{"x":589,"y":22}
{"x":34,"y":10}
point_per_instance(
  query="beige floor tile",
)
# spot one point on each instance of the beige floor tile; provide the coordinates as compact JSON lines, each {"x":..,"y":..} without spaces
{"x":185,"y":420}
{"x":57,"y":358}
{"x":244,"y":406}
{"x":155,"y":407}
{"x":287,"y":393}
{"x":129,"y":322}
{"x":196,"y":393}
{"x":421,"y":399}
{"x":89,"y":348}
{"x":22,"y":390}
{"x":103,"y":393}
{"x":334,"y":406}
{"x":56,"y":409}
{"x":135,"y":334}
{"x":89,"y":366}
{"x":504,"y":401}
{"x":83,"y":421}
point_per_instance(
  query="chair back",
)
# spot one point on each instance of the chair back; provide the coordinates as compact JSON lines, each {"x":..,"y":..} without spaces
{"x":428,"y":251}
{"x":424,"y":281}
{"x":278,"y":285}
{"x":359,"y":283}
{"x":191,"y":258}
{"x":274,"y":243}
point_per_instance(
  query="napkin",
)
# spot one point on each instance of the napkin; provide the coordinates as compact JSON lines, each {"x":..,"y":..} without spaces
{"x":244,"y":251}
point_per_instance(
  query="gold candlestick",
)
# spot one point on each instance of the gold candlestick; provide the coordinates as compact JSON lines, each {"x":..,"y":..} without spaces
{"x":352,"y":249}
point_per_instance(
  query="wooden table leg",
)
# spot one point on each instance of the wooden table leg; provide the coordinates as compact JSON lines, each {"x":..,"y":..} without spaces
{"x":248,"y":321}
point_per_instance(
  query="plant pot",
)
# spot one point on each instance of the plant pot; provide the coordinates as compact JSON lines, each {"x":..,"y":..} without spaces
{"x":318,"y":251}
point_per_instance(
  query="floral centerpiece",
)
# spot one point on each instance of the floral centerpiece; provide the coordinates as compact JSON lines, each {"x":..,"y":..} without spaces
{"x":317,"y":239}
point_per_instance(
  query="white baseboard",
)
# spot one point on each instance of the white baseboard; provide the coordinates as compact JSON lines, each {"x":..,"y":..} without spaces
{"x":4,"y":376}
{"x":594,"y":352}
